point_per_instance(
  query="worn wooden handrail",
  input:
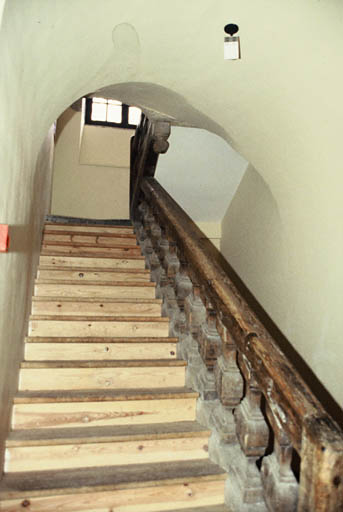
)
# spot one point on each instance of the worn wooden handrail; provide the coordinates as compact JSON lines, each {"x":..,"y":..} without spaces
{"x":297,"y":412}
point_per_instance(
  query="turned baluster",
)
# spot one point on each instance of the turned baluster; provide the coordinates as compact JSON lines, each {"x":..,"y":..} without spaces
{"x":195,"y":312}
{"x":244,"y":489}
{"x":279,"y":482}
{"x":183,"y":287}
{"x":229,"y":380}
{"x":209,"y":340}
{"x":170,"y":307}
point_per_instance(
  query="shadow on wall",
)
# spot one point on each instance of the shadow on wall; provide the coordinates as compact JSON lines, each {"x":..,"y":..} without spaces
{"x":252,"y":238}
{"x":252,"y":242}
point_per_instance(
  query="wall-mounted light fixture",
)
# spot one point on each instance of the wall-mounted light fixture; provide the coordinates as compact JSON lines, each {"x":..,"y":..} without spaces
{"x":232,"y":49}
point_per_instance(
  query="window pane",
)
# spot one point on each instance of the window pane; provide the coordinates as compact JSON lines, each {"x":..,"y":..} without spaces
{"x":99,"y":100}
{"x":114,"y":114}
{"x":134,"y":115}
{"x":98,"y":112}
{"x":114,"y":102}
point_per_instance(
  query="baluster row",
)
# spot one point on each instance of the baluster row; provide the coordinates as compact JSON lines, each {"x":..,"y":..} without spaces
{"x":247,"y":439}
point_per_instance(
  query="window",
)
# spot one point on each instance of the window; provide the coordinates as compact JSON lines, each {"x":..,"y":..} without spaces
{"x":105,"y":112}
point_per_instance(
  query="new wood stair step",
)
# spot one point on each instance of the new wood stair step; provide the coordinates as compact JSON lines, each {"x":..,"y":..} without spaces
{"x":95,"y":306}
{"x":43,"y":449}
{"x":101,"y":407}
{"x":86,"y":240}
{"x":99,"y":228}
{"x":96,"y":289}
{"x":57,"y":436}
{"x":92,"y":260}
{"x":95,"y":395}
{"x":54,"y":348}
{"x":91,"y":233}
{"x":128,"y":363}
{"x":101,"y":374}
{"x":85,"y":274}
{"x":82,"y":249}
{"x":47,"y":325}
{"x":206,"y":508}
{"x":138,"y":488}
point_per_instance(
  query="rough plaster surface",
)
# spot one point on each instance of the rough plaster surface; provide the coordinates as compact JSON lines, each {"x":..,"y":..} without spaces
{"x":279,"y":106}
{"x":95,"y":190}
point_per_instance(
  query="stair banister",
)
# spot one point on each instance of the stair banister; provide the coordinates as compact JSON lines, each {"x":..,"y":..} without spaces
{"x":278,"y":419}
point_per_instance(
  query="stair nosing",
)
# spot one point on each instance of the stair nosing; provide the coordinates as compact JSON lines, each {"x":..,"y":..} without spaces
{"x":92,"y":255}
{"x":58,"y":243}
{"x":99,"y":339}
{"x":89,"y":233}
{"x":127,"y":284}
{"x":104,"y":434}
{"x":107,"y":395}
{"x":114,"y":300}
{"x":120,"y":226}
{"x":114,"y":270}
{"x":104,"y":363}
{"x":107,"y":318}
{"x":142,"y":475}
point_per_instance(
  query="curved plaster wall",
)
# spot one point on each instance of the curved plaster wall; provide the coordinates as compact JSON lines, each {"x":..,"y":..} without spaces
{"x":280,"y":107}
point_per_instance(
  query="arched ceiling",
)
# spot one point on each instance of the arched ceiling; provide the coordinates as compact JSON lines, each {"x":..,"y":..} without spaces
{"x":280,"y":107}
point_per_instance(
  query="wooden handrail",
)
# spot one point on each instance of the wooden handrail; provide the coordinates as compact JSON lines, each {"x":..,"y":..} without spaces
{"x":297,"y":412}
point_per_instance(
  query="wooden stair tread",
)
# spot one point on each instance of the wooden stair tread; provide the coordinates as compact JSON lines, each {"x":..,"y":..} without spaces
{"x":96,"y":299}
{"x":121,"y":363}
{"x":142,"y":284}
{"x":81,"y":480}
{"x":88,"y":225}
{"x":206,"y":508}
{"x":116,"y":433}
{"x":98,"y":255}
{"x":104,"y":395}
{"x":89,"y":244}
{"x":88,"y":233}
{"x":51,"y":339}
{"x":95,"y":269}
{"x":112,"y":318}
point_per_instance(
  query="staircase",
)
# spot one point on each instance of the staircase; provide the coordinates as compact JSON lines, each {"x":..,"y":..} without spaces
{"x":102,"y":420}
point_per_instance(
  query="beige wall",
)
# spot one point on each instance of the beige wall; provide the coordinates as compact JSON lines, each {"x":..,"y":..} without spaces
{"x":91,"y":170}
{"x":280,"y":107}
{"x":105,"y":146}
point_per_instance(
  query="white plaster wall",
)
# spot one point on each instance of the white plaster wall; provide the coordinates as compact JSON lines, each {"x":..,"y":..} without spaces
{"x":99,"y":187}
{"x":201,"y":172}
{"x":280,"y":107}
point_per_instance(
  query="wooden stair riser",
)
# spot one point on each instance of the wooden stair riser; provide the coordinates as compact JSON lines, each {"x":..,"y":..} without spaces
{"x":82,"y":275}
{"x":90,"y":328}
{"x":90,"y":239}
{"x":100,"y":263}
{"x":89,"y":228}
{"x":95,"y":291}
{"x":98,"y":351}
{"x":77,"y":455}
{"x":100,"y":378}
{"x":101,"y":413}
{"x":154,"y":498}
{"x":119,"y":252}
{"x":95,"y":307}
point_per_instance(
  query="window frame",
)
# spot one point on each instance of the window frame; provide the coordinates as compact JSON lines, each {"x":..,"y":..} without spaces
{"x":124,"y":120}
